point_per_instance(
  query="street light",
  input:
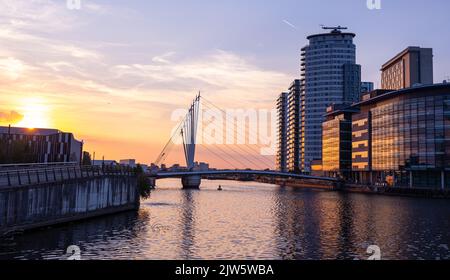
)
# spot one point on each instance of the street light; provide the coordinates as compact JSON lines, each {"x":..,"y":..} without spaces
{"x":8,"y":151}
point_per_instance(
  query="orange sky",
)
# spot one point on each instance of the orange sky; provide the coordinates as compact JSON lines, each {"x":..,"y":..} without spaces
{"x":113,"y":72}
{"x":119,"y":107}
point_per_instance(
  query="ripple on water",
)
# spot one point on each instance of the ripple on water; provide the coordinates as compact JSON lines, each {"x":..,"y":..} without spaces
{"x":250,"y":221}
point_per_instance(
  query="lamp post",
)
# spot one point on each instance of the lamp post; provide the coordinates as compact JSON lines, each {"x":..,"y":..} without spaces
{"x":8,"y":151}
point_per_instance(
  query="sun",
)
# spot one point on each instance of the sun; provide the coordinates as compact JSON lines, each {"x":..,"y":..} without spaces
{"x":36,"y":114}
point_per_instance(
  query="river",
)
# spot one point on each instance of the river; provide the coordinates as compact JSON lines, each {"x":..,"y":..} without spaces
{"x":250,"y":220}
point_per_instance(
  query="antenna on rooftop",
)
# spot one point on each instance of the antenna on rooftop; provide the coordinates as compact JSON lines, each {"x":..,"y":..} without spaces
{"x":335,"y":29}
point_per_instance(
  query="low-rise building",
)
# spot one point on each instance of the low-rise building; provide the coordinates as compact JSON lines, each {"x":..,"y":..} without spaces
{"x":128,"y":162}
{"x":105,"y":162}
{"x":201,"y":166}
{"x":38,"y":145}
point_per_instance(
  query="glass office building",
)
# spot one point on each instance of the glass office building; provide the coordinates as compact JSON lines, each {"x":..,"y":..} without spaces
{"x":337,"y":142}
{"x":404,"y":136}
{"x":411,"y":137}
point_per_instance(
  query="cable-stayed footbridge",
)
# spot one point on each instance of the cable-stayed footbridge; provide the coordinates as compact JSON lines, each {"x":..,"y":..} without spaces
{"x":191,"y":178}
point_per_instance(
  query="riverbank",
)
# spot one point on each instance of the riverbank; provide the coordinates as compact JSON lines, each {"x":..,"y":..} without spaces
{"x":353,"y":188}
{"x":409,"y":192}
{"x":45,"y":204}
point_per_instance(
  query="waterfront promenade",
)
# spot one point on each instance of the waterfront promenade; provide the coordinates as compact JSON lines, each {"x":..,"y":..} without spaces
{"x":33,"y":196}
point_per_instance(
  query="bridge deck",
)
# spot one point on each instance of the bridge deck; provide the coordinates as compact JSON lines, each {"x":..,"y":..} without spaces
{"x":161,"y":175}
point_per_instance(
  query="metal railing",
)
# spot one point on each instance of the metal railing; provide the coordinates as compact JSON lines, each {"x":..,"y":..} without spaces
{"x":15,"y":166}
{"x":33,"y":174}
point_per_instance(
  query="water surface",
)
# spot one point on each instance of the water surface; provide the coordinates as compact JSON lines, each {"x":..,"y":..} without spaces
{"x":250,"y":221}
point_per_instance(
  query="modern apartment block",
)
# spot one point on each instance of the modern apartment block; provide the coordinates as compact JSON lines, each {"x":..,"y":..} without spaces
{"x":329,"y":75}
{"x":293,"y":128}
{"x":282,"y":109}
{"x":400,"y":137}
{"x":412,"y":66}
{"x":38,"y":146}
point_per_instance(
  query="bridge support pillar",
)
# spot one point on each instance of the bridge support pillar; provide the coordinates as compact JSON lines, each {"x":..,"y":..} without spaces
{"x":191,"y":182}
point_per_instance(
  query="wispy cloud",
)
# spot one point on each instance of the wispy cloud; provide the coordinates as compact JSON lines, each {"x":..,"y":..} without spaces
{"x":42,"y":16}
{"x":220,"y":73}
{"x":164,"y":59}
{"x":13,"y":68}
{"x":96,"y":8}
{"x":92,"y":86}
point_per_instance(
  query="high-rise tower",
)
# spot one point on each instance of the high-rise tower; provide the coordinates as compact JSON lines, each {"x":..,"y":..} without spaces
{"x":293,"y":128}
{"x":282,"y":109}
{"x":329,"y":75}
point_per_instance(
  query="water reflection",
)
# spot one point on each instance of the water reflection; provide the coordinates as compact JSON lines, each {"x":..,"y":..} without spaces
{"x":187,"y":224}
{"x":250,"y":221}
{"x":97,"y":237}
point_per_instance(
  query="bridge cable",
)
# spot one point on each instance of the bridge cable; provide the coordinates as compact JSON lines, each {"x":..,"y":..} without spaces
{"x":257,"y":163}
{"x":227,"y":154}
{"x":253,"y":150}
{"x":249,"y":154}
{"x":168,"y":147}
{"x":239,"y":134}
{"x":220,"y":157}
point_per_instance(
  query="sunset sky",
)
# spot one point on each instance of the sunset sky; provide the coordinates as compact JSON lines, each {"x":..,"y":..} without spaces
{"x":114,"y":71}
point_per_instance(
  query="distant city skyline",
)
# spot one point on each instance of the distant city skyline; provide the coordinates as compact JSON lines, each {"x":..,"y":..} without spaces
{"x":113,"y":72}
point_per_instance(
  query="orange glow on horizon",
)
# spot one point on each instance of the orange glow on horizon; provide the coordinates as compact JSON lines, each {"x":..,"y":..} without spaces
{"x":36,"y":114}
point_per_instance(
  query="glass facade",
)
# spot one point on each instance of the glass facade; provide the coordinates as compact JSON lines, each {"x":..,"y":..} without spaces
{"x":337,"y":145}
{"x":400,"y":138}
{"x":409,"y":134}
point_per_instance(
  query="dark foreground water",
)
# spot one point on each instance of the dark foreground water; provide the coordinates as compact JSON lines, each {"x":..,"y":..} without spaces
{"x":250,"y":221}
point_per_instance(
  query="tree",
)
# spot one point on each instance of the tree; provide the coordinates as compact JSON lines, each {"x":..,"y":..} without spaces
{"x":143,"y":182}
{"x":86,"y":159}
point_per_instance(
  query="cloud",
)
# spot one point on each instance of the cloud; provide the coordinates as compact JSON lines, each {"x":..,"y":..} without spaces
{"x":96,"y":8}
{"x":93,"y":87}
{"x":36,"y":15}
{"x":11,"y":117}
{"x":31,"y":26}
{"x":76,"y":52}
{"x":164,"y":59}
{"x":89,"y":68}
{"x":12,"y":67}
{"x":217,"y":72}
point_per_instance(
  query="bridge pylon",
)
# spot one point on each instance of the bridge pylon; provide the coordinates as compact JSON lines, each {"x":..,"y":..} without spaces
{"x":191,"y":182}
{"x":189,"y":136}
